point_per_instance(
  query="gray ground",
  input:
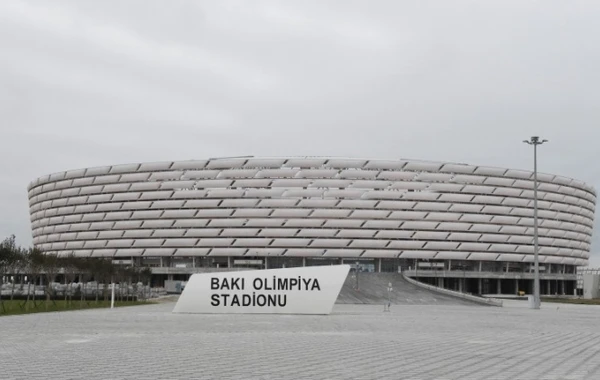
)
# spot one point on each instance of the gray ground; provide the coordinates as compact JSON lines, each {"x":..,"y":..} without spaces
{"x":355,"y":342}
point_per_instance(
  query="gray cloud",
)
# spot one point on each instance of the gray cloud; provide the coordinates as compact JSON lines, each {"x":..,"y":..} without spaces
{"x":86,"y":83}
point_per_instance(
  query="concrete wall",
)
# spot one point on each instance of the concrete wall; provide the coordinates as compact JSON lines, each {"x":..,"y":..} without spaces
{"x":591,"y":286}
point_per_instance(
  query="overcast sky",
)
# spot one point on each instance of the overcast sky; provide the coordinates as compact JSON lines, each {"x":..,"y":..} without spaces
{"x":92,"y":83}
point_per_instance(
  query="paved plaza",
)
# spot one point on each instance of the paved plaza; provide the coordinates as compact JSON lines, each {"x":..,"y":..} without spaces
{"x":355,"y":342}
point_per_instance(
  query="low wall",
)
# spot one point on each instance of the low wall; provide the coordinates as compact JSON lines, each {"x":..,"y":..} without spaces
{"x":452,"y":293}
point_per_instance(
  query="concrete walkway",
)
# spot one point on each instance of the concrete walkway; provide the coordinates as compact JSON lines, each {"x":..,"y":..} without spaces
{"x":355,"y":342}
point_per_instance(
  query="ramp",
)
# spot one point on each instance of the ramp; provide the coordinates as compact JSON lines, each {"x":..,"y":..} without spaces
{"x":372,"y":290}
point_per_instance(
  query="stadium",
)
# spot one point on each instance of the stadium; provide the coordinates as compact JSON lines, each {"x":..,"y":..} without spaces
{"x":462,"y":227}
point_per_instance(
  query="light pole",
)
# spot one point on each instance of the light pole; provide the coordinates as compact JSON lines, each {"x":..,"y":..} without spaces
{"x":535,"y":141}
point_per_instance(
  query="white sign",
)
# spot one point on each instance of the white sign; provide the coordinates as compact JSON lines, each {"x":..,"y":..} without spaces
{"x":303,"y":290}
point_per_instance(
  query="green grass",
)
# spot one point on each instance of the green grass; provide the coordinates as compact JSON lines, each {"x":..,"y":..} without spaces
{"x":16,"y":307}
{"x":578,"y":301}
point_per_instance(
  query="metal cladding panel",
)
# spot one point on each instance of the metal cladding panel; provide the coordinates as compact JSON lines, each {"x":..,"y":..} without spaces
{"x":474,"y":247}
{"x":434,"y":177}
{"x":432,"y":206}
{"x":358,"y":174}
{"x":342,"y":253}
{"x":167,"y":233}
{"x":305,"y":162}
{"x":345,"y":163}
{"x":304,"y":223}
{"x":407,"y":185}
{"x":274,"y":232}
{"x":502,"y":247}
{"x":203,"y":242}
{"x":316,"y":173}
{"x":190,"y":242}
{"x":264,"y":162}
{"x":307,"y":252}
{"x":510,"y":257}
{"x":163,"y":223}
{"x":452,"y":255}
{"x":226,"y":163}
{"x":343,"y":223}
{"x":226,"y":222}
{"x":203,"y":232}
{"x":384,"y":253}
{"x":177,"y":185}
{"x":508,"y":192}
{"x":237,"y":173}
{"x":483,"y":256}
{"x":137,"y":233}
{"x":368,"y":243}
{"x":406,"y":244}
{"x":459,"y":198}
{"x":291,"y":242}
{"x":356,"y":233}
{"x":418,"y":254}
{"x":458,"y":168}
{"x":519,"y":239}
{"x":385,"y":164}
{"x":345,"y":193}
{"x":421,"y":196}
{"x":330,"y":243}
{"x":382,"y":224}
{"x":525,"y":249}
{"x":157,"y":252}
{"x":103,"y":252}
{"x":265,"y":222}
{"x":498,"y":181}
{"x":397,"y":176}
{"x":200,"y":174}
{"x":419,"y":225}
{"x":188,"y":165}
{"x":453,"y":226}
{"x":441,"y":245}
{"x":302,"y":183}
{"x":443,"y":216}
{"x":329,"y":213}
{"x":290,"y":213}
{"x":128,"y":252}
{"x":312,"y":232}
{"x":303,"y":193}
{"x":468,"y":179}
{"x":136,"y":205}
{"x":369,"y":214}
{"x":466,"y":208}
{"x":464,"y":236}
{"x":252,"y":213}
{"x":407,"y":215}
{"x":252,"y":242}
{"x":265,"y":251}
{"x":427,"y":235}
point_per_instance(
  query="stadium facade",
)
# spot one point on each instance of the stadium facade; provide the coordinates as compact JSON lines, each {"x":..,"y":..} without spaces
{"x":464,"y":227}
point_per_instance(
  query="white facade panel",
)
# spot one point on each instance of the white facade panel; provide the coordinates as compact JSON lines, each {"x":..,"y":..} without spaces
{"x":415,"y":209}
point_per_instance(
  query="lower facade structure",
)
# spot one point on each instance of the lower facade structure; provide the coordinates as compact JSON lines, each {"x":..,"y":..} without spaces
{"x":464,"y":227}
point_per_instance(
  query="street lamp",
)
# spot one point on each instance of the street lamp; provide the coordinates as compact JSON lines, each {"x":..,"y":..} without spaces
{"x":535,"y":141}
